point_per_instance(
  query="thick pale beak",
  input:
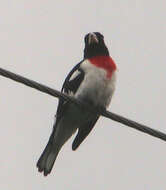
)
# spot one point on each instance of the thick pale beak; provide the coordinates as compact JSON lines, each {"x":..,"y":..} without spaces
{"x":92,"y":38}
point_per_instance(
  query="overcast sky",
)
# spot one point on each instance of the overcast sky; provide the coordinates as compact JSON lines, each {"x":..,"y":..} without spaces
{"x":43,"y":40}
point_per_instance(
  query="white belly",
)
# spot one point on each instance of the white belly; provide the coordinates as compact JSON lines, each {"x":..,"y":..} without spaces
{"x":96,"y":87}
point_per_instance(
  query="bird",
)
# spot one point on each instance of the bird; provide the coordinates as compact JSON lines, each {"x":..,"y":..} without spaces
{"x":92,"y":81}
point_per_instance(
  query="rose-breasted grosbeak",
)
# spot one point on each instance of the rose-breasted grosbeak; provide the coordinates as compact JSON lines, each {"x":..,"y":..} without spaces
{"x":91,"y":81}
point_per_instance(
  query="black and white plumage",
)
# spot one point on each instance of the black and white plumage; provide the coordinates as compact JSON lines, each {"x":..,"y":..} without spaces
{"x":91,"y":81}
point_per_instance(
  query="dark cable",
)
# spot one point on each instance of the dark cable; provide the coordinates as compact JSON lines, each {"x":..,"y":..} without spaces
{"x":104,"y":113}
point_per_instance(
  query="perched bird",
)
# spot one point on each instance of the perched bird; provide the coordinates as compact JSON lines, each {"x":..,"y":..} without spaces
{"x":91,"y":81}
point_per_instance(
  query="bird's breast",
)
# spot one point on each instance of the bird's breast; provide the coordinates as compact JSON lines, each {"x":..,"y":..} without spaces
{"x":96,"y":87}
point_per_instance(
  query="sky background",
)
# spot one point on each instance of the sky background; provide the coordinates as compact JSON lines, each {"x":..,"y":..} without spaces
{"x":43,"y":40}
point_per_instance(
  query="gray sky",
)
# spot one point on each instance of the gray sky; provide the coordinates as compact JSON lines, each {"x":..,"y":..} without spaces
{"x":43,"y":40}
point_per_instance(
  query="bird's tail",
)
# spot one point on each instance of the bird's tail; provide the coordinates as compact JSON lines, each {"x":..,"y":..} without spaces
{"x":48,"y":157}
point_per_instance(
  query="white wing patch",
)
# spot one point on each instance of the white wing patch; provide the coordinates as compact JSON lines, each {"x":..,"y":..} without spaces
{"x":74,"y":75}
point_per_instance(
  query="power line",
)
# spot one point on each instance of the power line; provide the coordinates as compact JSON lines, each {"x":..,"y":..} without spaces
{"x":104,"y":113}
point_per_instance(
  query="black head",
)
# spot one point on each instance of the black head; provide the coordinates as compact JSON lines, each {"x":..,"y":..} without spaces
{"x":94,"y":45}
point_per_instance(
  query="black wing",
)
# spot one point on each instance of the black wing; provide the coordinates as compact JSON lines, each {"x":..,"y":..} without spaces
{"x":70,"y":86}
{"x":83,"y":132}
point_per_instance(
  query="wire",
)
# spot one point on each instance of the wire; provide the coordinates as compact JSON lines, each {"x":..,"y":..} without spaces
{"x":104,"y":113}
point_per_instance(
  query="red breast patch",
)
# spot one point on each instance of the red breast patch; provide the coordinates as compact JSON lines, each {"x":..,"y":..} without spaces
{"x":104,"y":62}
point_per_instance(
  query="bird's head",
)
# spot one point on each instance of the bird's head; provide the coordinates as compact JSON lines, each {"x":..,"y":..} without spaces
{"x":94,"y":45}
